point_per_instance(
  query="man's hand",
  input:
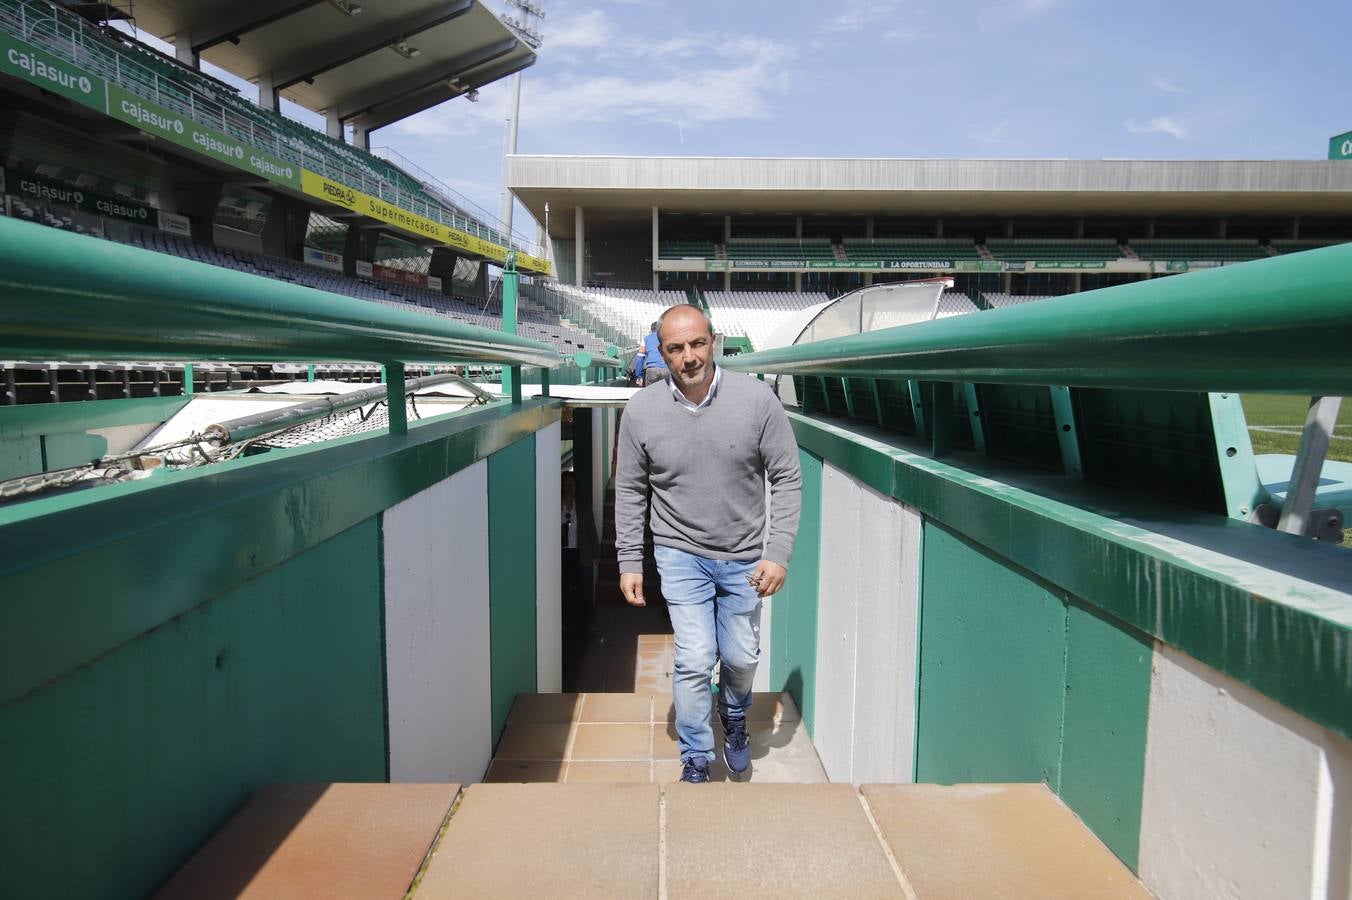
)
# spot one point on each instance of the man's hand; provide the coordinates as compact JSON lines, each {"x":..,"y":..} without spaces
{"x":768,"y":577}
{"x":631,"y":585}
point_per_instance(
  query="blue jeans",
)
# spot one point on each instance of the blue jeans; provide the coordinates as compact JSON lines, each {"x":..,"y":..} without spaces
{"x":714,"y":613}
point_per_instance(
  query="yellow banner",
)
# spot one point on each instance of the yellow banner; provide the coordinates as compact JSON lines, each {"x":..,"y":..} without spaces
{"x":321,"y":188}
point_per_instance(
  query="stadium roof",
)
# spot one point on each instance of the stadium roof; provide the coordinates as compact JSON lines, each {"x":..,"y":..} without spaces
{"x":625,"y":187}
{"x":372,"y":67}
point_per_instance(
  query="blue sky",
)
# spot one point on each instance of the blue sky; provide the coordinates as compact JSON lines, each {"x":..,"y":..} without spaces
{"x":1188,"y":79}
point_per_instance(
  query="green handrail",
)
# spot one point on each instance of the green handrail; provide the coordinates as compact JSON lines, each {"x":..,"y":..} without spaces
{"x":1280,"y":325}
{"x":67,"y":296}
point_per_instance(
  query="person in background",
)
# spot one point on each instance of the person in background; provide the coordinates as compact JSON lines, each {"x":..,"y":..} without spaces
{"x":654,"y":366}
{"x":636,"y":367}
{"x":702,"y":444}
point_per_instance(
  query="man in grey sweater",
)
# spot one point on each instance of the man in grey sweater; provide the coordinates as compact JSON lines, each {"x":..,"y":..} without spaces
{"x":702,"y":443}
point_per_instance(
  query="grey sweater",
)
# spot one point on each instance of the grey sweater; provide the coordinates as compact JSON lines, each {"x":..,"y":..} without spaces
{"x":707,"y":471}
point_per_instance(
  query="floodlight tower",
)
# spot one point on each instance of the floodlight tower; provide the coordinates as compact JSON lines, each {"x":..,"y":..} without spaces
{"x":522,"y":16}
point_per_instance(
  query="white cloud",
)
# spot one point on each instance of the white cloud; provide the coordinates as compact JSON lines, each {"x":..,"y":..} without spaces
{"x":1159,"y":82}
{"x":588,"y":30}
{"x":857,"y":14}
{"x":905,"y":35}
{"x":738,"y":83}
{"x":1009,"y":12}
{"x":1159,"y":125}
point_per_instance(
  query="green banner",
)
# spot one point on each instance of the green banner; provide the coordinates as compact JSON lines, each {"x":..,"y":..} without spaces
{"x":44,"y":190}
{"x":1068,"y":264}
{"x":1340,"y":146}
{"x":978,"y":265}
{"x":51,"y":74}
{"x":921,"y":264}
{"x":157,"y":120}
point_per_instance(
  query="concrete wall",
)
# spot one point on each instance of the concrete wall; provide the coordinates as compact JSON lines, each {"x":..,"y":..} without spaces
{"x":968,"y":631}
{"x":352,"y":613}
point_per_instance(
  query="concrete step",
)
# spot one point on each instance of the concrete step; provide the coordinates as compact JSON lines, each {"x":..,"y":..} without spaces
{"x":319,"y":840}
{"x":632,"y":737}
{"x":770,"y":840}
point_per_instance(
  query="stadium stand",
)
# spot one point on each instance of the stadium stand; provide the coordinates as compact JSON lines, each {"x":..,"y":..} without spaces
{"x":623,"y":315}
{"x":687,"y":250}
{"x":955,"y":303}
{"x":153,"y":76}
{"x":761,"y":248}
{"x":910,"y":250}
{"x":1058,"y":250}
{"x":1298,"y":246}
{"x":533,"y":321}
{"x":1000,"y":299}
{"x":756,"y":314}
{"x":1218,"y":250}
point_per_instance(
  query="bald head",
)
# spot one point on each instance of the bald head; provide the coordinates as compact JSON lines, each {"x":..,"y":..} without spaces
{"x":683,"y":316}
{"x":685,"y":338}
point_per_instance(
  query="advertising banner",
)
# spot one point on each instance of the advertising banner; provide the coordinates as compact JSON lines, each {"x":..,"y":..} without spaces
{"x":363,"y":269}
{"x":979,"y":265}
{"x":1340,"y":146}
{"x":1068,"y":264}
{"x":44,"y":190}
{"x":322,"y":188}
{"x":175,"y":224}
{"x":161,"y":122}
{"x":324,"y":260}
{"x":51,"y":74}
{"x":403,"y":276}
{"x":923,"y":264}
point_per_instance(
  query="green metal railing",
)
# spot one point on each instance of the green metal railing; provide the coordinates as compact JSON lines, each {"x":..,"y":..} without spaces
{"x":1280,"y":325}
{"x":1136,"y":387}
{"x":67,"y":296}
{"x":65,"y":35}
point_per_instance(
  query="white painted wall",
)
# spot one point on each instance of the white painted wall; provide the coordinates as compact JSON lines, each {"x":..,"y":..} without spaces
{"x":548,"y":556}
{"x":436,"y":630}
{"x":836,"y":633}
{"x":1243,"y":798}
{"x":866,"y":633}
{"x":887,"y":585}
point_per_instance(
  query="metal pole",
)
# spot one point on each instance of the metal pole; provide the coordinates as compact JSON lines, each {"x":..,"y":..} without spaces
{"x":1314,"y":445}
{"x":508,"y":204}
{"x":511,"y":376}
{"x":394,"y":398}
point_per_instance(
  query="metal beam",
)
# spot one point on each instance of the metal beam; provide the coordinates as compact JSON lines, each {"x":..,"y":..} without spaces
{"x":1320,"y":420}
{"x":394,"y":90}
{"x":335,"y":55}
{"x":250,"y":16}
{"x":398,"y":110}
{"x":68,"y":296}
{"x":1218,"y":330}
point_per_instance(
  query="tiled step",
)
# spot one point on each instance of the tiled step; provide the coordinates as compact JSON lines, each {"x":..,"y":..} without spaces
{"x":632,"y":737}
{"x":320,"y":841}
{"x":770,"y":840}
{"x":995,"y":840}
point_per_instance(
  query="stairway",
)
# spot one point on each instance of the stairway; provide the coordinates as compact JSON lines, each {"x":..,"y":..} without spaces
{"x":659,"y":841}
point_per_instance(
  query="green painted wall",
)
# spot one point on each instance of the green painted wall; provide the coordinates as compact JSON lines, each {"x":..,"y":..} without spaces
{"x":1103,"y":743}
{"x":1022,"y":683}
{"x":992,"y":663}
{"x":511,"y":573}
{"x":793,"y":619}
{"x":118,"y":771}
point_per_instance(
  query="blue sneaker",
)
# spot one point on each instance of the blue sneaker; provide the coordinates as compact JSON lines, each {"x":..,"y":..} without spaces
{"x":736,"y":745}
{"x":695,"y":770}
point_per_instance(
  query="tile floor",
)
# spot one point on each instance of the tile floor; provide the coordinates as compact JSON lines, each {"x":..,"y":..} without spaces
{"x":591,"y":737}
